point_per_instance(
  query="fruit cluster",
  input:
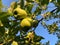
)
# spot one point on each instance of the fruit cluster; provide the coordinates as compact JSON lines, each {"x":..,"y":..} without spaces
{"x":26,"y":21}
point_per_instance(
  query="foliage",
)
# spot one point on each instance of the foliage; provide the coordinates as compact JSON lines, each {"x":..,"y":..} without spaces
{"x":1,"y":5}
{"x":20,"y":18}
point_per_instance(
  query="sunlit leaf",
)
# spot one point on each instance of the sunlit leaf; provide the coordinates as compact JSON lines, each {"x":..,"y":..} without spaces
{"x":29,"y":7}
{"x":58,"y":1}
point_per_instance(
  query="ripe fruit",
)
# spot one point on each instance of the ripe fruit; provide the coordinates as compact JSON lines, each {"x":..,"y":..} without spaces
{"x":14,"y":43}
{"x":26,"y":23}
{"x":20,"y":13}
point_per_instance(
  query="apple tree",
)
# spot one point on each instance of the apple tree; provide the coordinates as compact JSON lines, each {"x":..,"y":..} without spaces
{"x":21,"y":18}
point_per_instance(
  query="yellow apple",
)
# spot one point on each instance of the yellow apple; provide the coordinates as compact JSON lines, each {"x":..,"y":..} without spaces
{"x":26,"y":22}
{"x":14,"y":43}
{"x":20,"y":13}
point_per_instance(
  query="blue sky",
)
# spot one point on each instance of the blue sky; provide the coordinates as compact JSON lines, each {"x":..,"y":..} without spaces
{"x":40,"y":30}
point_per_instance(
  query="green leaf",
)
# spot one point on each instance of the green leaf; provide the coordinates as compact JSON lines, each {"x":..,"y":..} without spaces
{"x":52,"y":28}
{"x":29,"y":7}
{"x":22,"y":4}
{"x":2,"y":31}
{"x":13,"y":5}
{"x":1,"y":40}
{"x":37,"y":38}
{"x":30,"y":0}
{"x":5,"y":22}
{"x":37,"y":1}
{"x":3,"y":14}
{"x":4,"y":18}
{"x":58,"y":1}
{"x":38,"y":10}
{"x":1,"y":6}
{"x":43,"y":2}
